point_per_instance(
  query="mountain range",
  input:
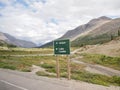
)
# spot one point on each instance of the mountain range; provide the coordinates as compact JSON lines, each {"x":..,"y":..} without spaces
{"x":96,"y":31}
{"x":6,"y":39}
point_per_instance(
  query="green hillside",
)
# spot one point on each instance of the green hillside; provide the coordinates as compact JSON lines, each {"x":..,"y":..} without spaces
{"x":92,"y":40}
{"x":4,"y":44}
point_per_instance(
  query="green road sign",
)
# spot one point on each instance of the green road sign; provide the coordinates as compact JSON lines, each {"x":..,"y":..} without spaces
{"x":62,"y":46}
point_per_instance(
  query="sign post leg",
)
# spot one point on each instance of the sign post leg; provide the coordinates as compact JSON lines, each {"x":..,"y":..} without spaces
{"x":68,"y":68}
{"x":57,"y":67}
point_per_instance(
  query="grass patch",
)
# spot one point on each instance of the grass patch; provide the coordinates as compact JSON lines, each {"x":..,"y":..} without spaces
{"x":115,"y":79}
{"x":25,"y":51}
{"x":51,"y":70}
{"x":95,"y":78}
{"x":64,"y":74}
{"x":90,"y":77}
{"x":26,"y":70}
{"x":25,"y":63}
{"x":45,"y":65}
{"x":9,"y":67}
{"x":112,"y":62}
{"x":49,"y":64}
{"x":6,"y":65}
{"x":42,"y":73}
{"x":49,"y":67}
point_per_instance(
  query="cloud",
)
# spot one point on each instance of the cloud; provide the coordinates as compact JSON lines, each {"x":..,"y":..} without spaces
{"x":41,"y":21}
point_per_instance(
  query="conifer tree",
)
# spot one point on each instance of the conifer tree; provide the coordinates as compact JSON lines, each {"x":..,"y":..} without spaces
{"x":111,"y":37}
{"x":118,"y":32}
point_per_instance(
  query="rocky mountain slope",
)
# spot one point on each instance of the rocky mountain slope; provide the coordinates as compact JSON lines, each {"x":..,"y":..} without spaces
{"x":8,"y":39}
{"x":99,"y":35}
{"x":91,"y":25}
{"x":93,"y":30}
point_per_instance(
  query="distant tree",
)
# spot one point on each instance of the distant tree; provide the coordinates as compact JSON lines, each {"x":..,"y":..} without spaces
{"x":118,"y":32}
{"x":111,"y":37}
{"x":11,"y":45}
{"x":81,"y":45}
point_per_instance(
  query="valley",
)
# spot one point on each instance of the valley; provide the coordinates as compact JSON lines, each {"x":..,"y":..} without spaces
{"x":43,"y":62}
{"x":94,"y":58}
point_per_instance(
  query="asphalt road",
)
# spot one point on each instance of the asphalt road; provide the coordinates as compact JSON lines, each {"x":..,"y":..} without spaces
{"x":10,"y":80}
{"x":15,"y":80}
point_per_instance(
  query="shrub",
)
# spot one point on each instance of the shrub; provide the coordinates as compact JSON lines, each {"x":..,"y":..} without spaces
{"x":45,"y":65}
{"x":26,"y":70}
{"x":43,"y":73}
{"x":116,"y":80}
{"x":9,"y":67}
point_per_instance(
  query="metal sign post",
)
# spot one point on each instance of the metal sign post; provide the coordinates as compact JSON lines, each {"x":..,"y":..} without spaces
{"x":62,"y":47}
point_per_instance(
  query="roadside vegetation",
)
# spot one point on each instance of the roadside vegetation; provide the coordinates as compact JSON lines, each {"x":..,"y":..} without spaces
{"x":112,"y":62}
{"x":24,"y":51}
{"x":24,"y":63}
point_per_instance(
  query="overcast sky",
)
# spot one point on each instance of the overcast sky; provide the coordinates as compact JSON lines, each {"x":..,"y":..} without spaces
{"x":41,"y":21}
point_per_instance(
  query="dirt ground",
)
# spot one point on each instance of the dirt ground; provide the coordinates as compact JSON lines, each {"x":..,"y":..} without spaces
{"x":111,"y":48}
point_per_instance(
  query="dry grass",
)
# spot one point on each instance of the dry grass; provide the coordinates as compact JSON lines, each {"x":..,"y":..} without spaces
{"x":25,"y":63}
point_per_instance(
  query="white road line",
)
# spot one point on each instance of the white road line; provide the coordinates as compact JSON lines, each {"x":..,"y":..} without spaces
{"x":13,"y":85}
